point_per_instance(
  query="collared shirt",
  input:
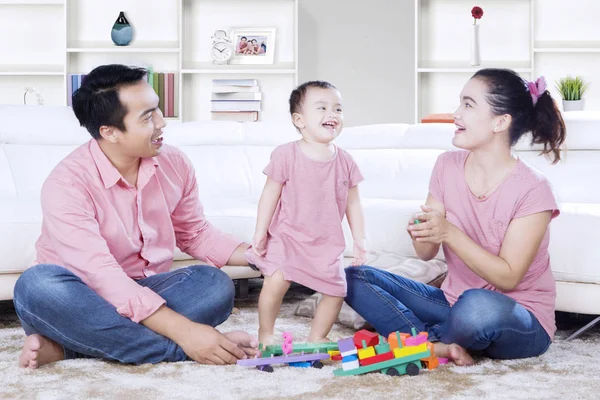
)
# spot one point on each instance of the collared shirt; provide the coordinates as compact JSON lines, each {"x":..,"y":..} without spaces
{"x":111,"y":233}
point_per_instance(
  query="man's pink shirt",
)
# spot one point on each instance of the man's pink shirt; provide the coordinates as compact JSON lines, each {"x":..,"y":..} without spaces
{"x":110,"y":233}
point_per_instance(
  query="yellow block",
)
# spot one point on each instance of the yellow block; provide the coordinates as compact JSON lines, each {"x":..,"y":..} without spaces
{"x":410,"y":350}
{"x":333,"y":353}
{"x":366,"y":353}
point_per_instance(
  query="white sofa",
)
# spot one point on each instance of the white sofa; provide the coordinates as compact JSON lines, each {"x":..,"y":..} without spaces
{"x":396,"y":160}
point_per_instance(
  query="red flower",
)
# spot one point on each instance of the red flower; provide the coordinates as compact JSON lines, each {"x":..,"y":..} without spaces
{"x":477,"y":13}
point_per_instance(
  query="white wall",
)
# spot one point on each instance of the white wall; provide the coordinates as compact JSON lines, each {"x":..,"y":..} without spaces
{"x":366,"y":49}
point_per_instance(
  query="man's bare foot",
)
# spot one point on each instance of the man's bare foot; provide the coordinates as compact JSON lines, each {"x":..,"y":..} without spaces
{"x":454,"y":353}
{"x":39,"y":350}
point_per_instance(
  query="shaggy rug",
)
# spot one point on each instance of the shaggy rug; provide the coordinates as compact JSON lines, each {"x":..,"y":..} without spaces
{"x":569,"y":370}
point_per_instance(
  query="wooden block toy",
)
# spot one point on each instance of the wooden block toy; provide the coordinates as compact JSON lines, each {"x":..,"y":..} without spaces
{"x":430,"y":362}
{"x":333,"y":353}
{"x":337,"y":358}
{"x":348,"y":353}
{"x":416,"y":340}
{"x":346,"y":345}
{"x":371,"y":339}
{"x":443,"y":360}
{"x":393,"y":339}
{"x":383,"y":346}
{"x":351,"y":358}
{"x":377,"y":359}
{"x":347,"y":366}
{"x":366,"y":353}
{"x":409,"y":350}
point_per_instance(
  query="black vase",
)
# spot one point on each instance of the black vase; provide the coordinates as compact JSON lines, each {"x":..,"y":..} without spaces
{"x":121,"y":33}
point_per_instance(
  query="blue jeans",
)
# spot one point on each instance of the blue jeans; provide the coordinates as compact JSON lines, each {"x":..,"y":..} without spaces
{"x":55,"y":303}
{"x":481,"y":320}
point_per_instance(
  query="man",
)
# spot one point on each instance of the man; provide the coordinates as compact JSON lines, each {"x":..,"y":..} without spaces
{"x":113,"y":211}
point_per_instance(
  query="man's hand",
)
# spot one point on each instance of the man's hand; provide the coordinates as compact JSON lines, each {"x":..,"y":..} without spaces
{"x":244,"y":341}
{"x":205,"y":345}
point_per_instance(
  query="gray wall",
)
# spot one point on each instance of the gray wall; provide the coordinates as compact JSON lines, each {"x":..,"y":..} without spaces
{"x":366,"y":49}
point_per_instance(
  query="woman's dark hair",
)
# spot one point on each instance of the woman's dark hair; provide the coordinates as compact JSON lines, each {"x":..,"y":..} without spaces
{"x":96,"y":103}
{"x":508,"y":93}
{"x":298,"y":94}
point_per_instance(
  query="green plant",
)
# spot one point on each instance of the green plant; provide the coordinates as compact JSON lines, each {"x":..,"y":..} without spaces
{"x":571,"y":88}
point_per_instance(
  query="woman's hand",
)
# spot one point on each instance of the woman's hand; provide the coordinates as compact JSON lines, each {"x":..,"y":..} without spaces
{"x":432,"y":226}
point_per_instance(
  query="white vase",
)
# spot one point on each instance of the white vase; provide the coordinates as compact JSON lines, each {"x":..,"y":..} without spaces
{"x":572,"y":105}
{"x":475,"y":56}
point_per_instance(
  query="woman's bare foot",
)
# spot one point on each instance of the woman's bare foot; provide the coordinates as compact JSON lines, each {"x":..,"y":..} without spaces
{"x":454,"y":353}
{"x":39,"y":350}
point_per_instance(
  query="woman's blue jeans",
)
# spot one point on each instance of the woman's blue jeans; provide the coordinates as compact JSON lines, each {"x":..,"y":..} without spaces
{"x":481,"y":320}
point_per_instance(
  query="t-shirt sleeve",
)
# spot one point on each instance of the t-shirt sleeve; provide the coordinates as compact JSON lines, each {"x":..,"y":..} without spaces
{"x":355,"y":176}
{"x":278,"y":167}
{"x":540,"y":198}
{"x":436,"y":184}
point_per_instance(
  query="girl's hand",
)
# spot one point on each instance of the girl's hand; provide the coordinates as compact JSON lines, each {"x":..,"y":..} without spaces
{"x":259,"y":244}
{"x":359,"y":252}
{"x":432,"y":227}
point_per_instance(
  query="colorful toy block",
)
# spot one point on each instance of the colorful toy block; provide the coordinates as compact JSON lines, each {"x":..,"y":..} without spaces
{"x":366,"y":353}
{"x":345,"y":345}
{"x":416,"y":340}
{"x":377,"y":359}
{"x":347,"y":366}
{"x":382,"y":347}
{"x":397,"y":339}
{"x":370,"y":338}
{"x":350,"y":358}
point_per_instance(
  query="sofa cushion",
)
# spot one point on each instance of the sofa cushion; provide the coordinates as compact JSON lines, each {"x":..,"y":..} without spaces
{"x":430,"y":272}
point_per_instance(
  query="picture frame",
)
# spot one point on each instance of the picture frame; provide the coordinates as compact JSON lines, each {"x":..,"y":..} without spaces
{"x":253,"y":46}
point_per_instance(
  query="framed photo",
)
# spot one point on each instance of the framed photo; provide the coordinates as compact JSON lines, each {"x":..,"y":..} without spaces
{"x":253,"y":45}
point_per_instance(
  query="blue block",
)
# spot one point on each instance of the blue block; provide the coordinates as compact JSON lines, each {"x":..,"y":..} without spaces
{"x":300,"y":364}
{"x":351,"y":358}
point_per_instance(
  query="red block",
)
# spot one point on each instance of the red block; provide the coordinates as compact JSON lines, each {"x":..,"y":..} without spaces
{"x":337,"y":358}
{"x":371,"y":338}
{"x":377,"y":359}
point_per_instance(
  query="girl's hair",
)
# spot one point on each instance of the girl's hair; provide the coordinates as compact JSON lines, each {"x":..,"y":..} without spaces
{"x":508,"y":93}
{"x":298,"y":94}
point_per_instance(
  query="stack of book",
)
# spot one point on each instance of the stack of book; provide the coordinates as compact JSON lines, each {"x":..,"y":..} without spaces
{"x":235,"y":100}
{"x":164,"y":84}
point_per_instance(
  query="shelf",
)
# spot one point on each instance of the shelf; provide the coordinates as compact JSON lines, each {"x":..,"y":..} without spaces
{"x":209,"y":68}
{"x":110,"y":47}
{"x":463,"y":66}
{"x":32,"y":2}
{"x":566,"y":47}
{"x":32,"y":70}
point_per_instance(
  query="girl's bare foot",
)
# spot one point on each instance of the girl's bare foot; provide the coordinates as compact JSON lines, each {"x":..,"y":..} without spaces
{"x":39,"y":350}
{"x":266,"y":339}
{"x":454,"y":353}
{"x":318,"y":340}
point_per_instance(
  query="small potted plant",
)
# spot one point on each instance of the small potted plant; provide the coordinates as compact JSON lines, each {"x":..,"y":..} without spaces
{"x":571,"y":90}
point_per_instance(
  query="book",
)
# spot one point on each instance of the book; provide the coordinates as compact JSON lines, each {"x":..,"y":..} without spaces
{"x":161,"y":92}
{"x":237,"y":96}
{"x":236,"y":105}
{"x":236,"y":116}
{"x":171,"y":94}
{"x":234,"y":89}
{"x":234,"y":82}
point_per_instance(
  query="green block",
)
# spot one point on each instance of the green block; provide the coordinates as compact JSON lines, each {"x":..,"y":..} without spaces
{"x":398,"y":363}
{"x":383,"y":348}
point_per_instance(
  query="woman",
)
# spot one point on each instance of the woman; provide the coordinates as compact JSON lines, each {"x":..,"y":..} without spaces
{"x":490,"y":212}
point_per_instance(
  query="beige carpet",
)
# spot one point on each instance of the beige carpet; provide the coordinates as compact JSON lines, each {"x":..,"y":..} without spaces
{"x":566,"y":371}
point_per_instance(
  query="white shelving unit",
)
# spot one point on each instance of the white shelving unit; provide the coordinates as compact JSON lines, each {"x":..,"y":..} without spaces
{"x":42,"y":41}
{"x":553,"y":38}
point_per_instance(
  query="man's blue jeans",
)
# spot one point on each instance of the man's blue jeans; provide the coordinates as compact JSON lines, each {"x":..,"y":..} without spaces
{"x":53,"y":302}
{"x":481,"y":320}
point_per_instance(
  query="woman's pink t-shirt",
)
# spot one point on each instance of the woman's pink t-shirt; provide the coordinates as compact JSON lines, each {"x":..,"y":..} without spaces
{"x":524,"y":192}
{"x":305,"y":239}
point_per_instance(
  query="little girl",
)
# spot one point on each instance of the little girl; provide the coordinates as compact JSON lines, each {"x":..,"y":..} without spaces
{"x":311,"y":184}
